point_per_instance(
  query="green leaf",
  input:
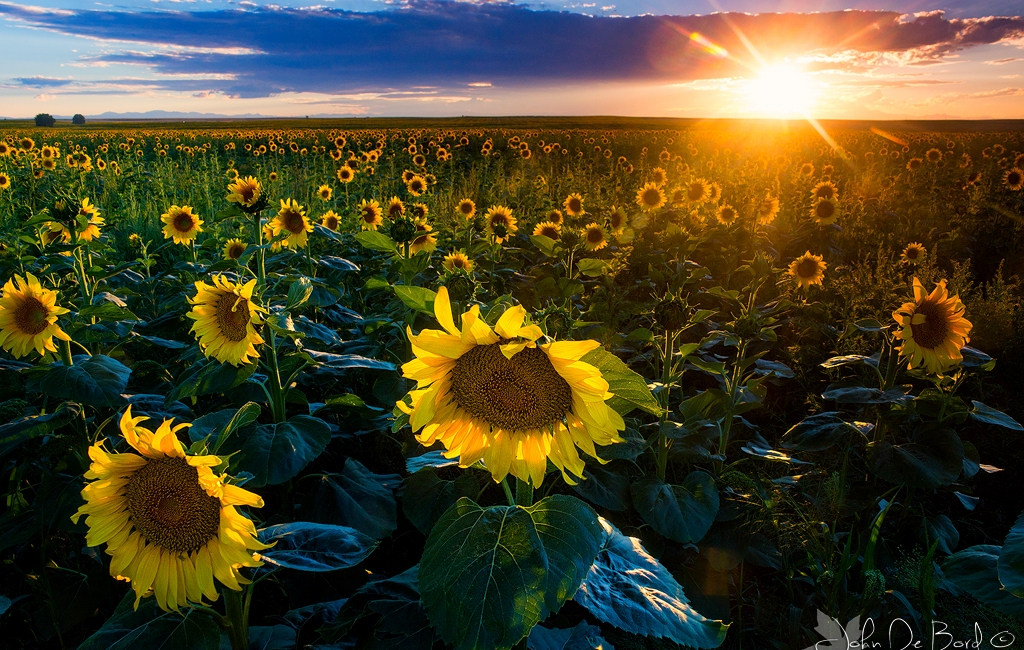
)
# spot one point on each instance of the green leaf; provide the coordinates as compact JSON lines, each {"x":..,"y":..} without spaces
{"x":848,"y":359}
{"x":582,"y":637}
{"x":984,"y":413}
{"x":330,"y":361}
{"x":357,"y":498}
{"x":818,"y":432}
{"x":211,"y":377}
{"x":221,"y":424}
{"x":231,"y":211}
{"x":299,"y":292}
{"x":489,"y":575}
{"x":426,"y":496}
{"x":1011,"y":560}
{"x":153,"y":629}
{"x":274,"y":453}
{"x":933,"y":458}
{"x":96,"y":380}
{"x":592,"y":268}
{"x":376,"y":241}
{"x":864,"y":395}
{"x":975,"y":570}
{"x":417,"y":298}
{"x":546,"y":245}
{"x":629,"y":389}
{"x":684,"y":512}
{"x":394,"y":610}
{"x":15,"y":432}
{"x":314,"y":547}
{"x":631,"y":590}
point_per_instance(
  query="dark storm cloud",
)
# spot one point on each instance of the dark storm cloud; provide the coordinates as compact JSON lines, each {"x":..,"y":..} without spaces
{"x":262,"y":51}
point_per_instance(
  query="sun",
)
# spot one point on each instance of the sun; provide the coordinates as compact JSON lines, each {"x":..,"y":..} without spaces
{"x":781,"y":90}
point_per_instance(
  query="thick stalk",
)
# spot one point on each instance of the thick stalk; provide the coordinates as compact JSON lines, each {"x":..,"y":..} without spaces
{"x":524,"y":493}
{"x":277,"y":406}
{"x":64,"y":348}
{"x":666,"y":381}
{"x":238,"y":630}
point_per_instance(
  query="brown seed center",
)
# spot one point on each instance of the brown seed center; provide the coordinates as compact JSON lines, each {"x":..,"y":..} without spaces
{"x":824,"y":209}
{"x":293,"y":221}
{"x":31,"y":315}
{"x":652,"y":197}
{"x":183,"y":222}
{"x":169,"y":507}
{"x":233,"y":317}
{"x":807,"y":268}
{"x":932,"y":332}
{"x":595,"y":236}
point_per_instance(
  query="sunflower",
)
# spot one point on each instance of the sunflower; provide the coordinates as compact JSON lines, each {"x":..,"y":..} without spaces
{"x":234,"y":248}
{"x":825,"y":212}
{"x":617,"y":220}
{"x":169,"y":523}
{"x":424,"y":239}
{"x":395,"y":208}
{"x":5,"y":150}
{"x":726,"y":215}
{"x":182,"y":226}
{"x":500,"y":223}
{"x":714,"y":192}
{"x":345,"y":174}
{"x":547,"y":229}
{"x":370,"y":214}
{"x":594,"y":237}
{"x":767,"y":209}
{"x":273,"y":176}
{"x":573,"y":205}
{"x":28,"y":144}
{"x":92,"y":228}
{"x":417,"y":185}
{"x":28,"y":317}
{"x":1014,"y":179}
{"x":933,"y":155}
{"x":330,"y":220}
{"x":232,"y":174}
{"x":934,"y":328}
{"x":5,"y":181}
{"x":49,"y":164}
{"x":245,"y":191}
{"x":467,"y":209}
{"x":808,"y":269}
{"x":698,"y":191}
{"x":498,"y":396}
{"x":457,"y":261}
{"x":291,"y":218}
{"x":825,"y":190}
{"x":225,"y":318}
{"x":807,"y":169}
{"x":914,"y":253}
{"x":658,"y":176}
{"x":324,"y":192}
{"x":650,"y":197}
{"x":556,"y":217}
{"x":914,"y":164}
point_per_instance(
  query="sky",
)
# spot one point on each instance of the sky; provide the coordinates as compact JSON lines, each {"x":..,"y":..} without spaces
{"x":833,"y":59}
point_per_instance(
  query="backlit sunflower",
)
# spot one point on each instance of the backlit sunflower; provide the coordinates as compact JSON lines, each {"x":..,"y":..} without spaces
{"x":548,"y":229}
{"x":291,"y":219}
{"x":914,"y":253}
{"x":825,"y":190}
{"x":500,"y":223}
{"x":767,"y":209}
{"x":594,"y":237}
{"x":934,"y":328}
{"x":234,"y":248}
{"x":808,"y":269}
{"x":573,"y":205}
{"x":225,"y":319}
{"x":457,"y":261}
{"x":556,"y":217}
{"x":169,"y":523}
{"x":658,"y":176}
{"x":417,"y":185}
{"x":650,"y":197}
{"x":467,"y":209}
{"x":181,"y":225}
{"x":28,"y":317}
{"x":92,"y":228}
{"x":498,"y":396}
{"x":714,"y":192}
{"x":330,"y":220}
{"x":324,"y":192}
{"x":345,"y":174}
{"x":617,"y":220}
{"x":1014,"y":179}
{"x":698,"y":191}
{"x":726,"y":215}
{"x":825,"y":212}
{"x":395,"y":208}
{"x":245,"y":191}
{"x":424,"y":239}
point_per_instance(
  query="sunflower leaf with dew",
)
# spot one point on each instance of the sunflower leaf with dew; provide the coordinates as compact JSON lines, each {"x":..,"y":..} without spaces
{"x":274,"y":453}
{"x":629,"y":589}
{"x":537,"y":555}
{"x":96,"y":380}
{"x":683,"y":513}
{"x":307,"y":546}
{"x":417,"y":298}
{"x":358,"y":498}
{"x":629,"y":388}
{"x":148,"y":627}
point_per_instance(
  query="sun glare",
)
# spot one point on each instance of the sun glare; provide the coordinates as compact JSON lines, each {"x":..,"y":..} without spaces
{"x":781,"y":90}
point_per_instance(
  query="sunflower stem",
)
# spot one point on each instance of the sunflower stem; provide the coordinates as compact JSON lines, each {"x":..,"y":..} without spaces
{"x":524,"y":493}
{"x":277,"y":406}
{"x":238,"y":629}
{"x":666,"y":379}
{"x":64,"y":347}
{"x":508,"y":491}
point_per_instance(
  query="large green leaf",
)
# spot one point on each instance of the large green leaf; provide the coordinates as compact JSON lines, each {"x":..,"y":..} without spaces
{"x":582,"y":637}
{"x":975,"y":570}
{"x":985,"y":413}
{"x":18,"y":431}
{"x":1011,"y":559}
{"x":209,"y":377}
{"x":489,"y":575}
{"x":817,"y":432}
{"x":684,"y":512}
{"x":153,"y":629}
{"x":96,"y":380}
{"x":394,"y":610}
{"x":417,"y":298}
{"x":314,"y":547}
{"x":358,"y":498}
{"x":376,"y":241}
{"x":933,"y":458}
{"x":274,"y":453}
{"x":631,"y":590}
{"x":629,"y":388}
{"x":426,"y":496}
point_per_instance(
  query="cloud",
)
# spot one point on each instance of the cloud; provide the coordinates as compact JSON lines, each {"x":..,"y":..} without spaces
{"x":262,"y":51}
{"x":1003,"y":61}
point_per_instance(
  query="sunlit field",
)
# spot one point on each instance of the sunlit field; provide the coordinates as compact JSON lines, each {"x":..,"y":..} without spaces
{"x":511,"y":384}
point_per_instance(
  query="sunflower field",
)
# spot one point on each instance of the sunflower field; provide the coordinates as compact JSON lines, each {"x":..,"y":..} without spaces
{"x":475,"y":385}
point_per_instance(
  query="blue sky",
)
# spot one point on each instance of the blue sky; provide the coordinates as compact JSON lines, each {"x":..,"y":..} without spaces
{"x":861,"y":59}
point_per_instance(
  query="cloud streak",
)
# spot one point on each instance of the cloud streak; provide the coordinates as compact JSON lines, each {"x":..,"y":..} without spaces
{"x":258,"y":52}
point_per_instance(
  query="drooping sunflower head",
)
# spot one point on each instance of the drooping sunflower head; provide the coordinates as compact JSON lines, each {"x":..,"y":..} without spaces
{"x":500,"y":223}
{"x":234,"y":248}
{"x":650,"y":197}
{"x":245,"y":191}
{"x":28,"y":317}
{"x":767,"y":209}
{"x":726,"y":215}
{"x":370,"y":214}
{"x":225,"y":319}
{"x":324,"y":192}
{"x":594,"y":237}
{"x":291,"y":220}
{"x":807,"y":270}
{"x":573,"y":205}
{"x":395,"y":208}
{"x":467,"y":209}
{"x":169,"y":522}
{"x":1014,"y":179}
{"x":457,"y":261}
{"x":825,"y":211}
{"x":330,"y":220}
{"x":496,"y":395}
{"x":181,"y":224}
{"x":914,"y":253}
{"x":934,"y":329}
